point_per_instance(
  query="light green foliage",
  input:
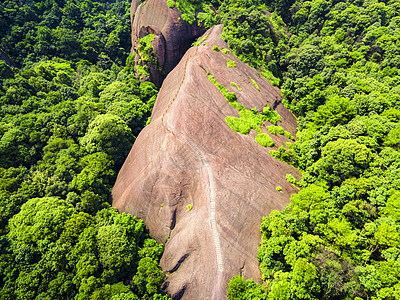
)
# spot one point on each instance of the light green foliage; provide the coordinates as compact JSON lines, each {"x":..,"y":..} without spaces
{"x":108,"y":133}
{"x":188,"y":9}
{"x":342,"y":159}
{"x":171,"y":3}
{"x":278,"y":188}
{"x":264,"y":140}
{"x":200,"y":40}
{"x":39,"y":221}
{"x":147,"y":56}
{"x":290,"y":178}
{"x":216,"y":48}
{"x":255,"y":84}
{"x":207,"y":16}
{"x":253,"y":118}
{"x":274,"y":80}
{"x":271,"y":115}
{"x":142,"y":71}
{"x":239,"y":289}
{"x":336,"y":111}
{"x":145,"y":48}
{"x":148,"y":121}
{"x":238,"y":125}
{"x":393,"y":138}
{"x":231,"y":64}
{"x":236,"y":86}
{"x":149,"y":277}
{"x":275,"y":129}
{"x":249,"y":118}
{"x":288,"y":135}
{"x":189,"y":207}
{"x":225,"y":51}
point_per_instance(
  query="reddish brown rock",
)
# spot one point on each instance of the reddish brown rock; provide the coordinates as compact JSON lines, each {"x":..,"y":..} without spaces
{"x":189,"y":155}
{"x":173,"y":35}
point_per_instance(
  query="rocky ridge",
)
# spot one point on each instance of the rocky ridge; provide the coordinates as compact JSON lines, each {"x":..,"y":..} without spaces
{"x":173,"y":36}
{"x":202,"y":188}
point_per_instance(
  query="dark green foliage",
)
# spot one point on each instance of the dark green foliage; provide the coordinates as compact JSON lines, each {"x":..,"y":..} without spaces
{"x":73,"y":30}
{"x":61,"y":148}
{"x":62,"y":254}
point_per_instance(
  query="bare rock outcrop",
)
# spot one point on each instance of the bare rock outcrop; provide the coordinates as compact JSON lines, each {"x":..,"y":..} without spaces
{"x":202,"y":188}
{"x":173,"y":36}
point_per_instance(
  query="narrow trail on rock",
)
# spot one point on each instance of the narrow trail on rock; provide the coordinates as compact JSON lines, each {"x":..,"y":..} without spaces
{"x":211,"y":191}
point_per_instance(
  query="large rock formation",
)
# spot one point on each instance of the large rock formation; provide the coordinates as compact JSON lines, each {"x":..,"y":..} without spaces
{"x":188,"y":155}
{"x":173,"y":36}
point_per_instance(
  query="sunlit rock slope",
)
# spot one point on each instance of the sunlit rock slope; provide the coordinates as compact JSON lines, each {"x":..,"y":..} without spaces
{"x":201,"y":187}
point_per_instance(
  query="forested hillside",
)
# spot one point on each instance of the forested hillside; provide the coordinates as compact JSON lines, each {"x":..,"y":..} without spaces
{"x":69,"y":114}
{"x":71,"y":108}
{"x":337,"y":63}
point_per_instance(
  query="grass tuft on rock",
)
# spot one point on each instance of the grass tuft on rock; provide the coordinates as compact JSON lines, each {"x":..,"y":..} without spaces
{"x":231,"y":63}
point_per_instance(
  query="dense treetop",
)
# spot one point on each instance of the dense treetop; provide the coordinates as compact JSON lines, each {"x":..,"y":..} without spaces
{"x":69,"y":115}
{"x":338,"y":66}
{"x":97,"y":31}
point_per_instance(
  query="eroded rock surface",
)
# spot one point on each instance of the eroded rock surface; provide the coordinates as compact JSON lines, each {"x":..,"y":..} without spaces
{"x":173,"y":36}
{"x":189,"y":155}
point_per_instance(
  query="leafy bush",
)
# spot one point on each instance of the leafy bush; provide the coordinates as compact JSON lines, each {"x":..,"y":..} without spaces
{"x":238,"y":125}
{"x":231,"y":64}
{"x":264,"y":140}
{"x":275,"y":129}
{"x":171,"y":3}
{"x":216,"y":48}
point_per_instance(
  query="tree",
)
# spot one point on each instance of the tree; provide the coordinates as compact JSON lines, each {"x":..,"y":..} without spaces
{"x":108,"y":133}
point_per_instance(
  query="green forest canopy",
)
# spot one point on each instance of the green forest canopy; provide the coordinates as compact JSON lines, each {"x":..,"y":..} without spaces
{"x":337,"y":64}
{"x":70,"y":113}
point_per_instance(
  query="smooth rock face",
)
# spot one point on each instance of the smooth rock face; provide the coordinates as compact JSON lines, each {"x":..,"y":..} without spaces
{"x":173,"y":35}
{"x":189,"y":155}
